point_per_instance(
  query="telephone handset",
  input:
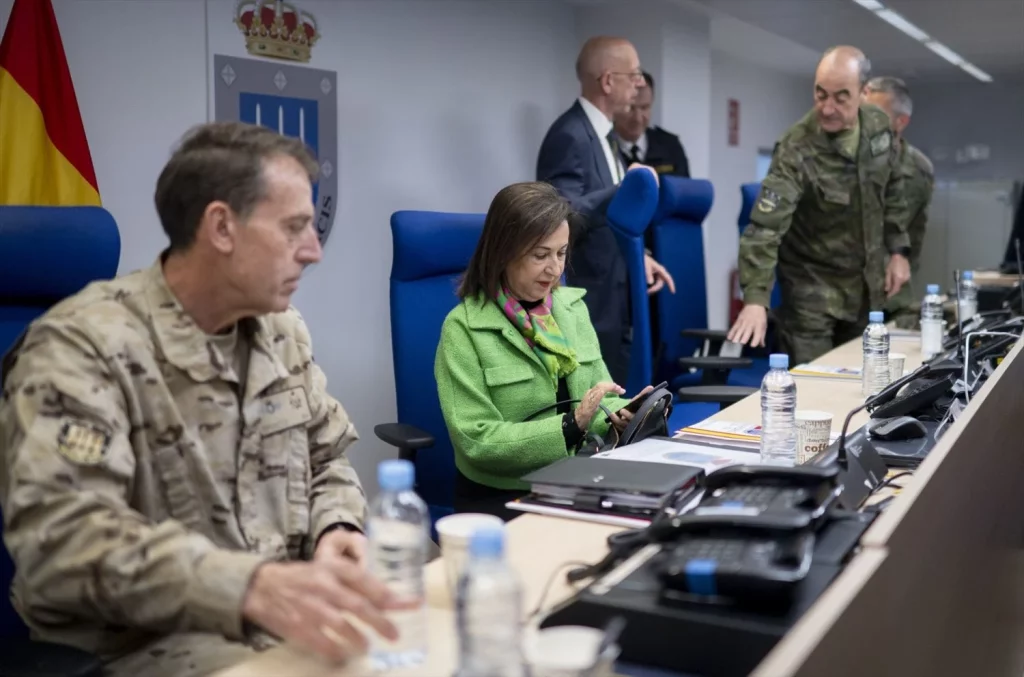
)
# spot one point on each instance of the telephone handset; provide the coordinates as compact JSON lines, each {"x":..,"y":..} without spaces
{"x":762,"y":489}
{"x":994,"y":346}
{"x":800,"y":499}
{"x":736,"y":558}
{"x":979,"y":322}
{"x":650,"y":416}
{"x":916,"y":398}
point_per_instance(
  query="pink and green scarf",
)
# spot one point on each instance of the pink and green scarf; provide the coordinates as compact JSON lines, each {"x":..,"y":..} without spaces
{"x":538,"y":327}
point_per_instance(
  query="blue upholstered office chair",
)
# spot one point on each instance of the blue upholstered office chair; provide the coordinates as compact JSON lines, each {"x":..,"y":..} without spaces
{"x":749,"y":192}
{"x":46,"y":254}
{"x":752,"y":377}
{"x":430,"y":252}
{"x":701,"y":375}
{"x":629,"y":214}
{"x":678,"y":243}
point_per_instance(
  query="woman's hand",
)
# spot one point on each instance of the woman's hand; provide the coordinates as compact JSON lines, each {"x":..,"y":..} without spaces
{"x":590,"y":402}
{"x":622,"y":417}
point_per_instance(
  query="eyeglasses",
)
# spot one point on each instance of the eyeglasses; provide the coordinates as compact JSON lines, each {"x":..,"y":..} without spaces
{"x":635,"y":76}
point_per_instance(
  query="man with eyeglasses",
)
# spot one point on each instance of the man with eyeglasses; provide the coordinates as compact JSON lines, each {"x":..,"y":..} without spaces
{"x":580,"y":157}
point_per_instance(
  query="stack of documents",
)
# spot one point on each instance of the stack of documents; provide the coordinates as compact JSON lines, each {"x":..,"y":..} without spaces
{"x":677,"y":450}
{"x":728,"y":434}
{"x":827,"y":372}
{"x":719,"y":436}
{"x":617,"y":488}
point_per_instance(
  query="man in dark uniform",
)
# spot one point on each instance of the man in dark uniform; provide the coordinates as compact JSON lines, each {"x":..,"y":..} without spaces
{"x":641,"y":143}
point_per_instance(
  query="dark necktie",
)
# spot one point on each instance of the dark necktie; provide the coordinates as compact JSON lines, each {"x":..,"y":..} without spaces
{"x":634,"y":154}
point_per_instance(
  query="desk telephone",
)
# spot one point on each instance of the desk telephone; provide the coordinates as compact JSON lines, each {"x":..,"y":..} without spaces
{"x":752,"y":490}
{"x":736,"y":559}
{"x":917,"y":398}
{"x":650,"y":418}
{"x":751,"y":535}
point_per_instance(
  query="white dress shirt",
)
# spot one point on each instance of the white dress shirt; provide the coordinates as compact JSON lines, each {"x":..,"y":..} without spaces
{"x":640,"y":145}
{"x":603,"y":126}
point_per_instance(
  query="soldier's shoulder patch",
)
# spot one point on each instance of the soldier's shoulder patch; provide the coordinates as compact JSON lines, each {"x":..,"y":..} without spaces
{"x":82,"y":443}
{"x":768,"y":201}
{"x":881,"y":143}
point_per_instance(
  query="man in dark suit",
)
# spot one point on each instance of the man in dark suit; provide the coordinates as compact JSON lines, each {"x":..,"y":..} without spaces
{"x":639,"y":142}
{"x":580,"y":158}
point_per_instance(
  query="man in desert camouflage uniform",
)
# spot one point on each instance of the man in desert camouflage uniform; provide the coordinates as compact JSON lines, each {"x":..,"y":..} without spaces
{"x":173,"y":473}
{"x":829,"y":213}
{"x":892,"y":95}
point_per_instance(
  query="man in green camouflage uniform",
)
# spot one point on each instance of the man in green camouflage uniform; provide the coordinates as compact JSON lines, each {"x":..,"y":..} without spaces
{"x":829,"y":213}
{"x":174,"y":475}
{"x":891,"y":95}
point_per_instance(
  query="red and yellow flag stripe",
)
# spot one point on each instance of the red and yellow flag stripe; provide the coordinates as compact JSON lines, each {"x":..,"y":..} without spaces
{"x":44,"y":154}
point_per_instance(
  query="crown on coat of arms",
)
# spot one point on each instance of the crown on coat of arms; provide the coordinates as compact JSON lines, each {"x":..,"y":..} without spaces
{"x":276,"y":29}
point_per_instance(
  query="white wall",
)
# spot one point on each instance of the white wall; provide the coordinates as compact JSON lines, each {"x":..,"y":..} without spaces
{"x":441,"y":103}
{"x":673,"y":43}
{"x":949,"y":117}
{"x":770,"y":102}
{"x":699,"y":61}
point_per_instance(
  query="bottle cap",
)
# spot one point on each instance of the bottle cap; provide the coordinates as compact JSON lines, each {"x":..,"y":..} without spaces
{"x":933,"y":289}
{"x":968,"y":275}
{"x":778,"y":361}
{"x":487,"y":542}
{"x":395,"y":475}
{"x":876,"y":317}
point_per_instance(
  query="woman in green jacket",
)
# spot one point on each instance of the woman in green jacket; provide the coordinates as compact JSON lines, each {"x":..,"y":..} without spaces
{"x":517,"y":343}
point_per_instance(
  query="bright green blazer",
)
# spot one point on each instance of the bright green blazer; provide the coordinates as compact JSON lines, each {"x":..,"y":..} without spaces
{"x":489,"y":380}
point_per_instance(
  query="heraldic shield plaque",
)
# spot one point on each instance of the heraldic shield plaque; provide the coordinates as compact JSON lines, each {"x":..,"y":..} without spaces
{"x":294,"y":100}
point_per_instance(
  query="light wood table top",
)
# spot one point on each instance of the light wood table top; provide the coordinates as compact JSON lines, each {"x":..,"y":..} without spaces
{"x":541,"y":548}
{"x":988,"y":278}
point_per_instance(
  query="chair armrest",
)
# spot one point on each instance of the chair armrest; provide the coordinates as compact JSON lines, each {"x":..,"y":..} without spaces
{"x":26,"y":658}
{"x":716,"y":362}
{"x":408,"y":439}
{"x":719,"y":394}
{"x":706,"y":334}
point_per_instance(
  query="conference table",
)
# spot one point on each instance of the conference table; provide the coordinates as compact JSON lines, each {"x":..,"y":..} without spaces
{"x":541,"y":549}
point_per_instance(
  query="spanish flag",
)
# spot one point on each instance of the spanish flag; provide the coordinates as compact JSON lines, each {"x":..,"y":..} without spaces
{"x":44,"y":156}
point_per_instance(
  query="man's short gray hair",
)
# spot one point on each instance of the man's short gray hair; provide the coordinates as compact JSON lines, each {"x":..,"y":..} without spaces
{"x":902,"y":104}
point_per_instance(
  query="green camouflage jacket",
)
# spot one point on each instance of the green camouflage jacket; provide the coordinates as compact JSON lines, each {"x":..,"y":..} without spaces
{"x":827,"y":220}
{"x":918,"y":183}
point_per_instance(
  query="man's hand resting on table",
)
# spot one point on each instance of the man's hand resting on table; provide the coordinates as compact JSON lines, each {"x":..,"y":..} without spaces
{"x":307,"y":602}
{"x":750,"y":326}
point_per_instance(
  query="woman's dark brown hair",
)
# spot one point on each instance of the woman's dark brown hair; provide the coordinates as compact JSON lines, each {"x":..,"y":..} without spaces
{"x":520,"y":217}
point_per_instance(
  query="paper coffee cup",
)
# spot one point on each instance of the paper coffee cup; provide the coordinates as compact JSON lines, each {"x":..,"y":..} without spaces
{"x":896,"y":365}
{"x":568,"y":651}
{"x":813,"y":429}
{"x":454,"y":532}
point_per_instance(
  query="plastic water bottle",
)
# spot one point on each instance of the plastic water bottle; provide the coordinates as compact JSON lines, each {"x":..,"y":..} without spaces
{"x":398,"y":532}
{"x":968,"y":296}
{"x":488,"y":610}
{"x":778,"y":413}
{"x":931,"y":323}
{"x":875,"y":375}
